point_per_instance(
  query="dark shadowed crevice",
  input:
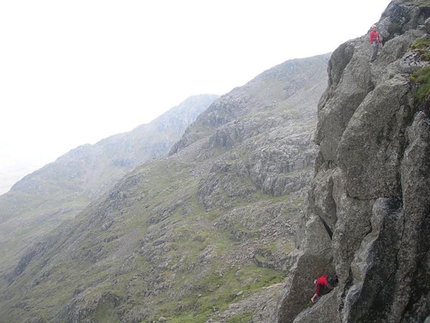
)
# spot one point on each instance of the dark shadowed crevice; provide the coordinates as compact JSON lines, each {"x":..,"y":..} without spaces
{"x":330,"y":233}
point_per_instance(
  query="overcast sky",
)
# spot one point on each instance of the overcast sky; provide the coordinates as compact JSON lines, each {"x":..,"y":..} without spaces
{"x":77,"y":71}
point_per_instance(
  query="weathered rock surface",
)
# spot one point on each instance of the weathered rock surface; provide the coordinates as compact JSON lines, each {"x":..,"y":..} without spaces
{"x":368,"y":219}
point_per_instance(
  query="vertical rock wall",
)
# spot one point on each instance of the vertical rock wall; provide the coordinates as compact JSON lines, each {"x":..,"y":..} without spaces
{"x":368,"y":218}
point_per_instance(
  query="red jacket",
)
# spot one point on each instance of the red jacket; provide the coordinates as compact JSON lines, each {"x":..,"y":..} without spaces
{"x":321,"y":281}
{"x":374,"y":36}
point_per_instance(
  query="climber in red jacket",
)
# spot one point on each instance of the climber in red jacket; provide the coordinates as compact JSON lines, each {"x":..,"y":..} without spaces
{"x":375,"y":41}
{"x":324,"y":284}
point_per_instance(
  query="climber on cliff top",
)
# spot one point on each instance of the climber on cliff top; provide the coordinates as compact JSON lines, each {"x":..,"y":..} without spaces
{"x":324,"y":284}
{"x":375,"y":41}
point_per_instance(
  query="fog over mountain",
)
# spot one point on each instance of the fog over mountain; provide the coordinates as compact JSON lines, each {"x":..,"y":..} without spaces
{"x":11,"y":171}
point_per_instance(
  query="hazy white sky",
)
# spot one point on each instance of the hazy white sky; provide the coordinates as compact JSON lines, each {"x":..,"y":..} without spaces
{"x":76,"y":71}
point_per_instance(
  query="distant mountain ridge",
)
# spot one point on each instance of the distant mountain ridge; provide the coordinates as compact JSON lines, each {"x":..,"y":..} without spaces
{"x":60,"y":190}
{"x":188,"y":235}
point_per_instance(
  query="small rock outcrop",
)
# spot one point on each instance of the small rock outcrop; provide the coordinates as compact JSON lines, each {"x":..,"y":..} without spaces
{"x":368,"y":219}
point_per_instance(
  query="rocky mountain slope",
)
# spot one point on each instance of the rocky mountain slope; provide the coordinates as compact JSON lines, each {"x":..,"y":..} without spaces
{"x":368,"y":219}
{"x":204,"y":234}
{"x":60,"y":190}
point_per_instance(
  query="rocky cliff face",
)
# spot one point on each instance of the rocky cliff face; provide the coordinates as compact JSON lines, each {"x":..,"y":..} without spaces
{"x":368,"y":219}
